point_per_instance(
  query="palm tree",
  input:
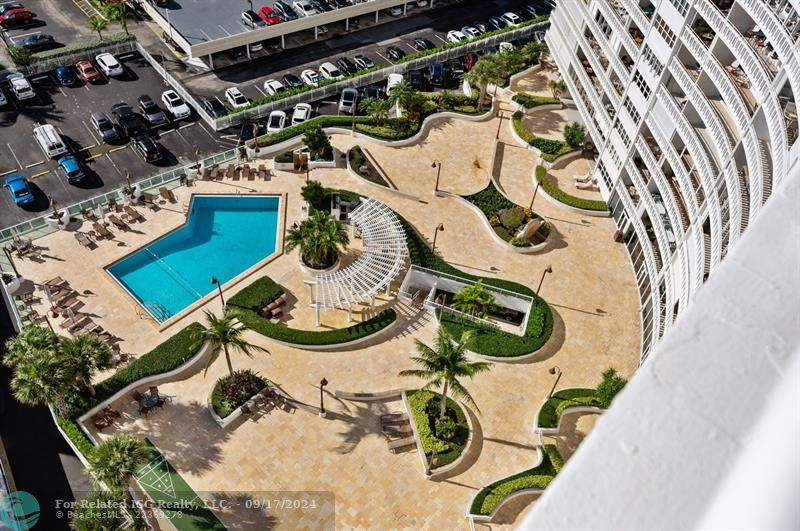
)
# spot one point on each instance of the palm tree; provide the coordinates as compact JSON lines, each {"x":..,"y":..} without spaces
{"x":378,"y":109}
{"x":445,"y":364}
{"x":86,"y":354}
{"x":119,"y":11}
{"x":403,"y":94}
{"x":116,"y":460}
{"x":557,"y":87}
{"x":487,"y":70}
{"x":97,"y":24}
{"x":321,"y":240}
{"x":475,"y":300}
{"x":223,"y":334}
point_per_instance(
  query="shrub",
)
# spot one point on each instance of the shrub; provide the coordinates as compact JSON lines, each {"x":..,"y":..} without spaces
{"x":574,"y":135}
{"x":611,"y":385}
{"x":446,"y":428}
{"x":424,"y":407}
{"x":560,"y":195}
{"x":551,"y":149}
{"x":314,"y":194}
{"x":552,"y":408}
{"x":235,"y":389}
{"x":530,"y":101}
{"x":287,"y":156}
{"x":76,"y":435}
{"x":519,"y":242}
{"x":512,"y":218}
{"x":490,"y":201}
{"x":257,"y":294}
{"x":297,"y":130}
{"x":90,"y":46}
{"x":503,"y":233}
{"x":318,"y":142}
{"x":494,"y":221}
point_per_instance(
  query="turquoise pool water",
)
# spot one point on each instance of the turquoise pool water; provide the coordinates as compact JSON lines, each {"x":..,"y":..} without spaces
{"x":223,"y":236}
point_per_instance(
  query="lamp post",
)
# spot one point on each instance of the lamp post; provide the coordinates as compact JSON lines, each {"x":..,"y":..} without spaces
{"x":554,"y":370}
{"x":535,"y":190}
{"x":438,"y":165}
{"x":214,"y":280}
{"x":322,"y":384}
{"x":439,"y":227}
{"x":548,"y":269}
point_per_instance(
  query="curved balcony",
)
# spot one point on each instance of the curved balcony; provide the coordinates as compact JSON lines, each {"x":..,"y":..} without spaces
{"x":684,"y":183}
{"x":622,"y":73}
{"x":676,"y":218}
{"x":637,"y":15}
{"x":619,"y":28}
{"x":665,"y":249}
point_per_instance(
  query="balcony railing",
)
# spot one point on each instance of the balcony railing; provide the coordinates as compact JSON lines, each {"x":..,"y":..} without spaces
{"x":618,"y":24}
{"x":675,"y":209}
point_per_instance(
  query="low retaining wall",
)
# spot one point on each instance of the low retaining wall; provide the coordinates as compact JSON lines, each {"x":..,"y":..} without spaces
{"x":522,"y":73}
{"x":566,"y":157}
{"x":557,"y":429}
{"x":312,"y":164}
{"x":334,"y":346}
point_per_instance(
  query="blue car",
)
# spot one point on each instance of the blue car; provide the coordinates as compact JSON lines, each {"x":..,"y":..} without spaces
{"x":18,"y":187}
{"x":65,"y":75}
{"x":70,"y":168}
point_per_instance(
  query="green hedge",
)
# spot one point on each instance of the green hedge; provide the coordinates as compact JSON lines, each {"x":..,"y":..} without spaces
{"x":529,"y":101}
{"x":299,"y":130}
{"x":490,"y":201}
{"x":94,"y":44}
{"x":76,"y":435}
{"x":287,"y":156}
{"x":540,"y":476}
{"x":551,"y":149}
{"x":553,"y":407}
{"x":446,"y":451}
{"x":560,"y":195}
{"x":245,"y":303}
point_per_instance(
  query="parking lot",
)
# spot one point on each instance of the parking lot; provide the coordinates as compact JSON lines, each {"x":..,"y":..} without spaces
{"x":69,"y":109}
{"x":60,"y":18}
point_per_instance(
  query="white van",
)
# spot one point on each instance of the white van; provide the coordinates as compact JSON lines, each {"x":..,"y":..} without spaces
{"x":49,"y":140}
{"x":20,"y":87}
{"x":394,"y":80}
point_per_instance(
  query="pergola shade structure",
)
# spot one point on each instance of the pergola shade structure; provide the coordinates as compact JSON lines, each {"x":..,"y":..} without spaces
{"x":383,"y":256}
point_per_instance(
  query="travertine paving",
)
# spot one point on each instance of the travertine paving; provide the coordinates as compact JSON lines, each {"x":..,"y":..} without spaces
{"x":591,"y":291}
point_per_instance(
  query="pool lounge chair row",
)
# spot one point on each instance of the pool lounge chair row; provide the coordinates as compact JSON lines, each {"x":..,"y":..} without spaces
{"x":236,"y":172}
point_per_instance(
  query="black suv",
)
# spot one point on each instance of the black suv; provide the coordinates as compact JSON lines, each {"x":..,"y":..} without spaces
{"x":151,"y":111}
{"x":214,"y":107}
{"x":147,"y":148}
{"x":394,"y":53}
{"x":421,"y":44}
{"x":291,"y":81}
{"x":363,"y":62}
{"x":283,"y":10}
{"x":128,"y":121}
{"x":346,"y":66}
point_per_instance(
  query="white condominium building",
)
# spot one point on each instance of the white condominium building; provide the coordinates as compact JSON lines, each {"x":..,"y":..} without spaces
{"x":692,"y":105}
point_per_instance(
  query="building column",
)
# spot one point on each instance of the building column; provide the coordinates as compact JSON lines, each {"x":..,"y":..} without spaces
{"x":347,"y":24}
{"x":376,"y":16}
{"x":211,"y":61}
{"x":316,"y":32}
{"x":372,"y":302}
{"x":247,"y":50}
{"x":405,"y":8}
{"x":350,"y":314}
{"x":317,"y":314}
{"x":283,"y":42}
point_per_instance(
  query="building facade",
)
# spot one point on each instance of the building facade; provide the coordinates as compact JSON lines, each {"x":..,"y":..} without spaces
{"x":692,"y":105}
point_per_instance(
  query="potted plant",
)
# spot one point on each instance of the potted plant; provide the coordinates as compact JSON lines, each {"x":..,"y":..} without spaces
{"x":56,"y":218}
{"x":321,"y":240}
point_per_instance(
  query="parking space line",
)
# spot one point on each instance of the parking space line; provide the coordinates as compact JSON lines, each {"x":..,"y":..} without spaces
{"x":7,"y":172}
{"x":184,"y":126}
{"x":87,"y":148}
{"x":382,"y":57}
{"x":167,"y":132}
{"x":114,"y":150}
{"x":92,"y":157}
{"x":409,"y":45}
{"x":114,"y":164}
{"x":40,"y":174}
{"x":259,"y":89}
{"x":19,"y":164}
{"x":223,"y":29}
{"x":90,"y":133}
{"x":441,"y":39}
{"x":34,"y":164}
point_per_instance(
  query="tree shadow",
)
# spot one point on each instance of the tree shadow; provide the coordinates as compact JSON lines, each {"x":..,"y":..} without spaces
{"x":249,"y":511}
{"x":363,"y":422}
{"x":570,"y":436}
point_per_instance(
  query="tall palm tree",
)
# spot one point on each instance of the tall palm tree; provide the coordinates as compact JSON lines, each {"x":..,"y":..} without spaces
{"x":487,"y":70}
{"x":321,"y":239}
{"x":225,"y":335}
{"x":119,"y":11}
{"x":97,"y":24}
{"x":403,"y":94}
{"x":377,"y":108}
{"x":557,"y":87}
{"x":86,"y":354}
{"x":444,"y":364}
{"x":116,"y":460}
{"x":475,"y":300}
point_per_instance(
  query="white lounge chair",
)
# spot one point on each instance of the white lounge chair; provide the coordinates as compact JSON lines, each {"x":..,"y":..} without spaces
{"x":586,"y":186}
{"x":585,"y":179}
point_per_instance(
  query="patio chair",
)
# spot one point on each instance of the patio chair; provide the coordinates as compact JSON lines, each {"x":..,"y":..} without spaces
{"x":246,"y":410}
{"x":584,"y":179}
{"x":252,"y":175}
{"x":89,"y":215}
{"x":262,"y":172}
{"x":84,"y":240}
{"x":101,"y":230}
{"x":394,"y":431}
{"x":244,"y":171}
{"x":137,"y":396}
{"x":133,"y":213}
{"x":117,"y":222}
{"x":585,"y":186}
{"x":55,"y":281}
{"x":230,"y":170}
{"x":148,"y":200}
{"x":214,"y":171}
{"x":153,"y":390}
{"x":167,"y":194}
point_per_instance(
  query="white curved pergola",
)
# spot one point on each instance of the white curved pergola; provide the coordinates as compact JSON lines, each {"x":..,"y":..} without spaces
{"x":383,"y":256}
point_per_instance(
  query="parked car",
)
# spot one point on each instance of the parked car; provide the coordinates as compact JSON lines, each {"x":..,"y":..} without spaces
{"x":273,"y":86}
{"x":109,"y":65}
{"x":309,"y":77}
{"x":305,"y":8}
{"x":394,"y":53}
{"x":284,"y":10}
{"x":435,"y":74}
{"x":19,"y":189}
{"x":511,"y":19}
{"x":420,"y":44}
{"x":151,"y":111}
{"x":469,"y":60}
{"x":3,"y":99}
{"x":363,"y":62}
{"x":65,"y":75}
{"x":5,"y":8}
{"x":87,"y":71}
{"x":348,"y":101}
{"x":346,"y":66}
{"x":276,"y":121}
{"x":455,"y":36}
{"x":302,"y":113}
{"x":395,"y":11}
{"x":456,"y":67}
{"x":497,"y":23}
{"x":393,"y":81}
{"x":470,"y":31}
{"x":236,"y":98}
{"x":292,"y":81}
{"x":128,"y":121}
{"x":214,"y":107}
{"x":530,"y":10}
{"x":329,"y":71}
{"x":147,"y":148}
{"x":483,"y":27}
{"x":415,"y":79}
{"x":505,"y":46}
{"x":178,"y":108}
{"x":37,"y":42}
{"x":321,"y":6}
{"x":16,"y":17}
{"x":373,"y":92}
{"x":269,"y":16}
{"x":20,"y":86}
{"x":251,"y":20}
{"x":70,"y":168}
{"x":104,"y":126}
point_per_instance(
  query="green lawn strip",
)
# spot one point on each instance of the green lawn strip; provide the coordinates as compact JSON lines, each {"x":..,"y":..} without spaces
{"x":558,"y":194}
{"x":82,"y":46}
{"x":446,"y":451}
{"x":244,"y":306}
{"x":553,"y":408}
{"x":529,"y":101}
{"x":167,"y":487}
{"x":539,"y":477}
{"x":551,"y":149}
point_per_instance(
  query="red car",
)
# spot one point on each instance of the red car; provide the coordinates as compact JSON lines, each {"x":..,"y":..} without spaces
{"x":469,"y":60}
{"x":16,"y":17}
{"x":268,"y":15}
{"x":87,"y":71}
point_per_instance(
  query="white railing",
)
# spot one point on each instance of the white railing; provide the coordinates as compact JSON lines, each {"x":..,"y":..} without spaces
{"x":595,"y":134}
{"x":597,"y":103}
{"x":662,"y":184}
{"x":46,"y":64}
{"x":652,"y":213}
{"x":621,"y":71}
{"x":599,"y":71}
{"x":618,"y":28}
{"x":638,"y":15}
{"x":685,"y":184}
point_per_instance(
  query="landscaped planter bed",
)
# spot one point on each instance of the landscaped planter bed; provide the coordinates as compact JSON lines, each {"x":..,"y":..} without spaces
{"x":552,"y":190}
{"x":424,"y":408}
{"x":550,"y":149}
{"x":507,"y":219}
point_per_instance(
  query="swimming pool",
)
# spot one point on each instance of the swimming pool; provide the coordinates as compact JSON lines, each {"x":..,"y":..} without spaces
{"x":223,"y":236}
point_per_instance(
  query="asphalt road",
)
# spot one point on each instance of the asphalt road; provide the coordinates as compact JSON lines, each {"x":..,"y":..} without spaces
{"x":68,"y":109}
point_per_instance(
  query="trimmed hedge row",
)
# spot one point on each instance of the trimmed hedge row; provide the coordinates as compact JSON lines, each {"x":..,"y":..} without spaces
{"x":76,"y":435}
{"x":446,"y":451}
{"x":94,"y":44}
{"x":570,"y":200}
{"x":244,"y":305}
{"x":529,"y":101}
{"x":551,"y":149}
{"x":299,"y":130}
{"x":538,"y":477}
{"x":553,"y":407}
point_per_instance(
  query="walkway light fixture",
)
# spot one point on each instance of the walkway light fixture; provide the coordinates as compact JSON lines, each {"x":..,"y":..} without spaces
{"x":214,"y":280}
{"x":439,"y":228}
{"x":437,"y":164}
{"x":554,"y":371}
{"x":548,"y":269}
{"x":322,"y":384}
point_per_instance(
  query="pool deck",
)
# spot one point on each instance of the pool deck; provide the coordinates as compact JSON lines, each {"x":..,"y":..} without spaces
{"x":592,"y":292}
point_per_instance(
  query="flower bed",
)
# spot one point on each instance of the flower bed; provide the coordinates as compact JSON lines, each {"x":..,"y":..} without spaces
{"x":231,"y":391}
{"x":507,"y":218}
{"x":551,"y":149}
{"x":245,"y":304}
{"x":570,"y":200}
{"x":538,"y":477}
{"x":424,"y":412}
